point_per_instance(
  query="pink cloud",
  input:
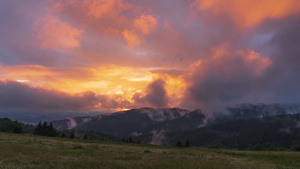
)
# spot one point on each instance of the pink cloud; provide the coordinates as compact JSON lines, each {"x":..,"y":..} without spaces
{"x":247,"y":13}
{"x":100,"y":8}
{"x":254,"y":61}
{"x":54,"y":34}
{"x":145,"y":24}
{"x":131,"y":37}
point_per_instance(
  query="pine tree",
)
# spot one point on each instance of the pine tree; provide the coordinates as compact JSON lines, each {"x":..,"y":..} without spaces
{"x":130,"y":140}
{"x":38,"y":129}
{"x":51,"y":131}
{"x":85,"y":137}
{"x":178,"y":144}
{"x":63,"y":135}
{"x":187,"y":143}
{"x":44,"y":129}
{"x":17,"y":127}
{"x":72,"y":136}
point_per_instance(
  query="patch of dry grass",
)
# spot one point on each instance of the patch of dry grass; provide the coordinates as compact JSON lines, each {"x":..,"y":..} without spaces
{"x":26,"y":151}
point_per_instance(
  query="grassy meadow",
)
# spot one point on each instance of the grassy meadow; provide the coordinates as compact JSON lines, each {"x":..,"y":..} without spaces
{"x":28,"y":151}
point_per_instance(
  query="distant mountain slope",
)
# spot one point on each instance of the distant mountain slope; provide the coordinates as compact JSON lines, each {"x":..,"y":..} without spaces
{"x":272,"y":131}
{"x":189,"y":121}
{"x":135,"y":121}
{"x":253,"y":111}
{"x":236,"y":127}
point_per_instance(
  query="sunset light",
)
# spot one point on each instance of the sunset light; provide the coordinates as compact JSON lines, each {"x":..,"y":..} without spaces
{"x":94,"y":55}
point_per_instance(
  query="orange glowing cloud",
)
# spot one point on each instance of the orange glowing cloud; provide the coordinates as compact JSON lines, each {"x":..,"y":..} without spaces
{"x":142,"y":26}
{"x":249,"y":13}
{"x":145,"y":24}
{"x":253,"y":60}
{"x":114,"y":18}
{"x":54,"y":34}
{"x":225,"y":59}
{"x":99,"y":8}
{"x":131,"y":37}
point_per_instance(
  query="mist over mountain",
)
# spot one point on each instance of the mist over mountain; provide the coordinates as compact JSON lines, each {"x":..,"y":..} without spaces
{"x":32,"y":117}
{"x":253,"y":111}
{"x":168,"y":125}
{"x":272,"y":132}
{"x":135,"y":121}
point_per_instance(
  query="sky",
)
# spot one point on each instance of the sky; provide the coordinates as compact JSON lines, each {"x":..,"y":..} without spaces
{"x":112,"y":55}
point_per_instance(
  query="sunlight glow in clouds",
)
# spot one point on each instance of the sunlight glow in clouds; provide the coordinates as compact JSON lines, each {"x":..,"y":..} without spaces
{"x":121,"y":54}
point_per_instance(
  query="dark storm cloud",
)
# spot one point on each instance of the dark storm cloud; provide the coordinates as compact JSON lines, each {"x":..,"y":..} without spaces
{"x":228,"y":80}
{"x":16,"y":96}
{"x":219,"y":82}
{"x":156,"y":95}
{"x":283,"y":80}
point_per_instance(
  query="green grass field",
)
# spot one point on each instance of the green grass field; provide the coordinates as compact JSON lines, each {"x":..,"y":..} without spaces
{"x":27,"y":151}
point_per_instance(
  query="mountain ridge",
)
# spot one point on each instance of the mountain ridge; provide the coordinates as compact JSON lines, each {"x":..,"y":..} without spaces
{"x":134,"y":120}
{"x":167,"y":125}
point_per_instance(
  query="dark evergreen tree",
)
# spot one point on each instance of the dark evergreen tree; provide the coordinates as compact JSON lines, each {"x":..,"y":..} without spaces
{"x":123,"y":139}
{"x":295,"y":145}
{"x":85,"y":137}
{"x":45,"y":129}
{"x":257,"y":147}
{"x":130,"y":140}
{"x":38,"y":129}
{"x":187,"y":143}
{"x":18,"y":127}
{"x":52,"y":132}
{"x":72,"y":136}
{"x":63,"y":135}
{"x":178,"y":144}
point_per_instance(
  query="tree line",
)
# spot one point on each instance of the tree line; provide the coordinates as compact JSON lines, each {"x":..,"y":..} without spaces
{"x":9,"y":126}
{"x":42,"y":129}
{"x":45,"y":130}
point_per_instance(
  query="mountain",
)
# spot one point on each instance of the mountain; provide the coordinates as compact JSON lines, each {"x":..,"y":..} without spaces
{"x":236,"y":127}
{"x":135,"y":122}
{"x":268,"y":132}
{"x":254,"y":111}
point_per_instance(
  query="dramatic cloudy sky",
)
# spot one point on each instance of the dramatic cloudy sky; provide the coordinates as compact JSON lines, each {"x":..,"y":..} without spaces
{"x":92,"y":55}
